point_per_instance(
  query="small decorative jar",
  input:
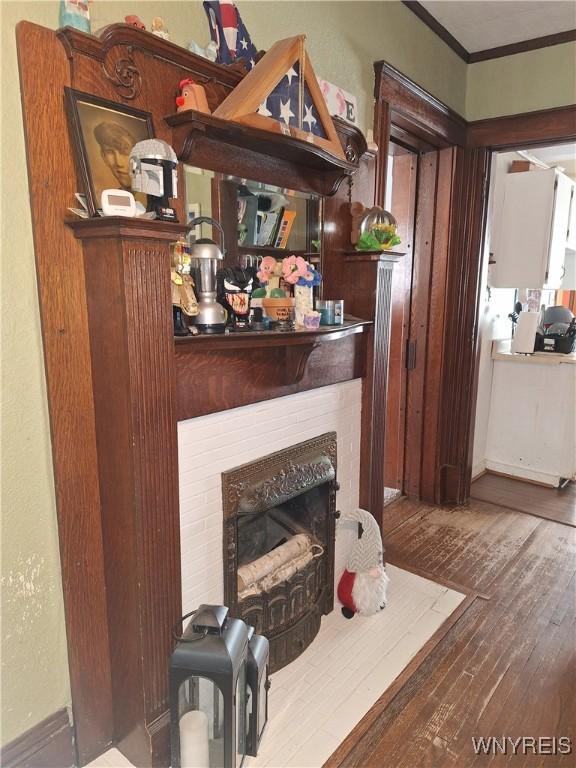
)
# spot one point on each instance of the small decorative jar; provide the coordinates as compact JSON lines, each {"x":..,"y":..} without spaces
{"x":312,"y":320}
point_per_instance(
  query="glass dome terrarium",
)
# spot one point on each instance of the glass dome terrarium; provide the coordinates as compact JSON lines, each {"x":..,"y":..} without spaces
{"x":378,"y":231}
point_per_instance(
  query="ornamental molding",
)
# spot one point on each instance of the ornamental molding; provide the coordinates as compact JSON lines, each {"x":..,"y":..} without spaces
{"x":280,"y":476}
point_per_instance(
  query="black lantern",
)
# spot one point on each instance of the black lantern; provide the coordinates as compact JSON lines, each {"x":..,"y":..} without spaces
{"x":208,"y":691}
{"x":258,"y":685}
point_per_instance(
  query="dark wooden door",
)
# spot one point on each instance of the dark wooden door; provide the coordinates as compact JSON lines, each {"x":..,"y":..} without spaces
{"x":419,"y":194}
{"x":401,"y":200}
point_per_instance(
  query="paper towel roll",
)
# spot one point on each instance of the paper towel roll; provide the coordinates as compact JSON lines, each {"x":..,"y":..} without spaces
{"x":525,"y":334}
{"x":194,"y":751}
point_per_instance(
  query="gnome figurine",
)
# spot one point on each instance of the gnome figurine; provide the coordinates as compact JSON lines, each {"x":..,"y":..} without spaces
{"x":362,"y":586}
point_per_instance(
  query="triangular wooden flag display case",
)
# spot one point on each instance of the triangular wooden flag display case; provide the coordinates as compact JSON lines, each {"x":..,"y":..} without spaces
{"x":242,"y":105}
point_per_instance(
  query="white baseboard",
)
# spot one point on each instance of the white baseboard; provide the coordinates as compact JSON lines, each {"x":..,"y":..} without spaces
{"x":478,"y":469}
{"x":524,"y":473}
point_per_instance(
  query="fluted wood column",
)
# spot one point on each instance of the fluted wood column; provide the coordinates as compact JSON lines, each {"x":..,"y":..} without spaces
{"x":368,"y":280}
{"x":127,"y":274}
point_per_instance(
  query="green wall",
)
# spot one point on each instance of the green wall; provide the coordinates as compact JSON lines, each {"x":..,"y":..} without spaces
{"x":344,"y":39}
{"x":34,"y":662}
{"x":524,"y":82}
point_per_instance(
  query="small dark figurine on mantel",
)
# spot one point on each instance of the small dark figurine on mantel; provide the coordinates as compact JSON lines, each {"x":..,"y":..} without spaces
{"x":234,"y":291}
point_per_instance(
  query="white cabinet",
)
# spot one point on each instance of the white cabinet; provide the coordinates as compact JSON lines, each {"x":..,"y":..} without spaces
{"x":532,"y":425}
{"x":531,"y":226}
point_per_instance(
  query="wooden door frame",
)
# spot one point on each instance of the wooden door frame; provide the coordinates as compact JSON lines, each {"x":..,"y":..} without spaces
{"x":544,"y":127}
{"x":451,"y":376}
{"x":404,"y":110}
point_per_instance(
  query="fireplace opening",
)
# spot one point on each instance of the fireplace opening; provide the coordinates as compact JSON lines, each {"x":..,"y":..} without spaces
{"x":279,"y":532}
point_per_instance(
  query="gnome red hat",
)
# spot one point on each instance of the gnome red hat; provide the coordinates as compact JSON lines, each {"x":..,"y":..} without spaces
{"x":362,"y":587}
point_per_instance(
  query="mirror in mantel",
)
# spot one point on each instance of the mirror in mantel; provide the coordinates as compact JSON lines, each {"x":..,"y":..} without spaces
{"x":258,"y":219}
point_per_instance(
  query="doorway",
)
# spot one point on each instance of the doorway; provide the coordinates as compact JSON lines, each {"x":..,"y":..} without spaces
{"x":524,"y":429}
{"x":418,"y":191}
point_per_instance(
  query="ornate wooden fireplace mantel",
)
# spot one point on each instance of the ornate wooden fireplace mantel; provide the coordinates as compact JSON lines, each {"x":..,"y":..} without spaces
{"x":115,"y":376}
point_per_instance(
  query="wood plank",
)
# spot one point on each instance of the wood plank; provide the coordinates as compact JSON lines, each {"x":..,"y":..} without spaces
{"x":61,"y":286}
{"x":550,"y":503}
{"x":419,"y":319}
{"x":505,"y":667}
{"x":436,"y":331}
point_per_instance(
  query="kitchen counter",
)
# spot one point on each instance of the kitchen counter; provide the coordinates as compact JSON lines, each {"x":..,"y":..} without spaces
{"x":532,"y":425}
{"x":501,"y":351}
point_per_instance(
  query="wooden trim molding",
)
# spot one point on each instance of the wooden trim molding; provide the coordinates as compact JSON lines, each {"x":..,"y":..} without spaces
{"x":546,"y":41}
{"x":438,"y":28}
{"x":545,"y":126}
{"x":48,"y":744}
{"x":451,"y":371}
{"x":416,"y":109}
{"x":499,"y":51}
{"x":61,"y":287}
{"x":461,"y":302}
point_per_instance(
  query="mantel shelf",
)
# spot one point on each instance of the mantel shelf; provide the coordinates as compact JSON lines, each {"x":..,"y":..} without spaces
{"x":223,"y":371}
{"x":125,"y":227}
{"x":190,"y":124}
{"x":264,"y":339}
{"x":357,"y":256}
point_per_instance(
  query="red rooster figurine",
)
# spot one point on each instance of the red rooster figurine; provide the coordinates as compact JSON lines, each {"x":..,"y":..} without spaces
{"x":192,"y":96}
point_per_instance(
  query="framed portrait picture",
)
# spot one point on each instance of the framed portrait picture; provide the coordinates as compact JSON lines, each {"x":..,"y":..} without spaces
{"x":104,"y":133}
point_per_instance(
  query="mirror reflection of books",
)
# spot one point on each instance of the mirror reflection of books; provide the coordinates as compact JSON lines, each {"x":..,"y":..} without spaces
{"x":268,"y":227}
{"x":283,"y":233}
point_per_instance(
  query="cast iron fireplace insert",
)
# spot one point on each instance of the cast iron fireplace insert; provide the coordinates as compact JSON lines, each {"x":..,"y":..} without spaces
{"x":272,"y":506}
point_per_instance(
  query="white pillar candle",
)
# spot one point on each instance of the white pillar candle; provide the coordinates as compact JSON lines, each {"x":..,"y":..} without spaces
{"x":194,"y":751}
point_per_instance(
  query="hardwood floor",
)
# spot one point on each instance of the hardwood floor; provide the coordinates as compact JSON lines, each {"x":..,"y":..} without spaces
{"x":551,"y":503}
{"x":505,"y":667}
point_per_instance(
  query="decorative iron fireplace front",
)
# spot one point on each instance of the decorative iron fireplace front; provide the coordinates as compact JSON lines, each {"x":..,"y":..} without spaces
{"x":279,"y":532}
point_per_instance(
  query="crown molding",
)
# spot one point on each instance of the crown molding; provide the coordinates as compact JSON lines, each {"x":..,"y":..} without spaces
{"x":522,"y":47}
{"x":498,"y":52}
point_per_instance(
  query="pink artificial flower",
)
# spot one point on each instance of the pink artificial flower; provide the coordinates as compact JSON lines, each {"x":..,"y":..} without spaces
{"x":267,"y":267}
{"x":293,"y":268}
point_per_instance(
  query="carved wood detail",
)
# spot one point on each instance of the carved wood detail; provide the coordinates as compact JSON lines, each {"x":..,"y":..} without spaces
{"x":116,"y":45}
{"x":125,"y":76}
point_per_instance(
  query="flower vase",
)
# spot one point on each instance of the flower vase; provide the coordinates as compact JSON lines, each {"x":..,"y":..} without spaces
{"x":303,"y":302}
{"x":273,"y":283}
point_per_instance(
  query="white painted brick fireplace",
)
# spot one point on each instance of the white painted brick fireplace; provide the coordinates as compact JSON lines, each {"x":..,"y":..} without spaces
{"x":210,"y":445}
